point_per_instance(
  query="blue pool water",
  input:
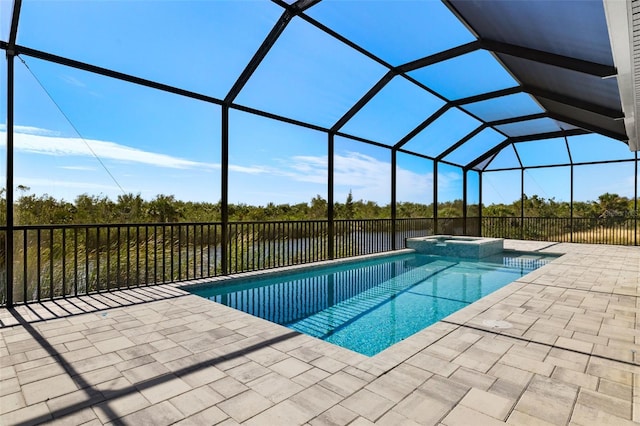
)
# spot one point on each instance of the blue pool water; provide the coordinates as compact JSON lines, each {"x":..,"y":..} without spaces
{"x":367,"y":306}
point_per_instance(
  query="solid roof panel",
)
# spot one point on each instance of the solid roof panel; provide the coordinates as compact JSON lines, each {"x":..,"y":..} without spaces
{"x":589,"y":88}
{"x":569,"y":28}
{"x":402,"y":34}
{"x":585,"y":119}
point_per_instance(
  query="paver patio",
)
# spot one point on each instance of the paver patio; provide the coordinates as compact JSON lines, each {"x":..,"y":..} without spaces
{"x":559,"y":346}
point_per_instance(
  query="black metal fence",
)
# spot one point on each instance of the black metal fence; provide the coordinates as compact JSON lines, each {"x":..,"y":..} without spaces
{"x":52,"y":261}
{"x":611,"y":230}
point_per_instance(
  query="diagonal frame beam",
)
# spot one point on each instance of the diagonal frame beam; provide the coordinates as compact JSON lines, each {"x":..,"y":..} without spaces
{"x":573,"y":102}
{"x":364,"y":100}
{"x":433,"y":117}
{"x":259,"y":56}
{"x":461,"y":141}
{"x":496,"y":149}
{"x":590,"y":127}
{"x":488,"y":96}
{"x":440,"y":57}
{"x":586,"y":67}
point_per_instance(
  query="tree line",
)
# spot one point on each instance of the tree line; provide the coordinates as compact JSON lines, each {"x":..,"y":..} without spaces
{"x":32,"y":209}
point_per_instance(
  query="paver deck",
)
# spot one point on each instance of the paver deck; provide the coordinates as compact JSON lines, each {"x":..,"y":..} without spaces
{"x":557,"y":347}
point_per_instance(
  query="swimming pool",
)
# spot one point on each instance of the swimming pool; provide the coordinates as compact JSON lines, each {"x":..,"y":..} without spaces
{"x":369,"y":305}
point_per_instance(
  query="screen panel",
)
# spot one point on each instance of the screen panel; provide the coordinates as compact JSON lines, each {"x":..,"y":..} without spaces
{"x":148,"y":38}
{"x":594,"y":147}
{"x":448,"y":129}
{"x":90,"y":140}
{"x":466,"y":75}
{"x":543,"y":152}
{"x":395,"y":111}
{"x":310,"y":76}
{"x":428,"y":25}
{"x":510,"y":106}
{"x":414,"y":186}
{"x":272,"y":163}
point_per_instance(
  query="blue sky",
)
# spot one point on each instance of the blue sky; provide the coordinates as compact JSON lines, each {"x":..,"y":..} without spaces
{"x":152,"y":142}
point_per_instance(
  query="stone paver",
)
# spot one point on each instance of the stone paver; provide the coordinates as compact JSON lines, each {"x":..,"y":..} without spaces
{"x":157,"y":355}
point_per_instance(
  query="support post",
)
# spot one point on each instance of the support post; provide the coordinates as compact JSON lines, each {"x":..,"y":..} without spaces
{"x":464,"y":201}
{"x":330,"y":210}
{"x":571,"y":207}
{"x":8,"y":240}
{"x":393,"y":197}
{"x":522,"y":203}
{"x":635,"y":202}
{"x":435,"y":197}
{"x":224,"y":190}
{"x":480,"y":204}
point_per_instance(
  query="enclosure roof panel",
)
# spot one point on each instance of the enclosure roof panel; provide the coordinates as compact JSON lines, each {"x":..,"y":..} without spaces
{"x":576,"y":29}
{"x":396,"y":31}
{"x":137,"y":37}
{"x":433,"y":78}
{"x":559,"y":52}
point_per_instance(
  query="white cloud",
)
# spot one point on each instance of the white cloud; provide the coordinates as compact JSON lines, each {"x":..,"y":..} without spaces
{"x":79,"y":168}
{"x":29,"y":130}
{"x":41,"y":141}
{"x":35,"y":140}
{"x":366,"y":176}
{"x":38,"y":183}
{"x":73,"y":81}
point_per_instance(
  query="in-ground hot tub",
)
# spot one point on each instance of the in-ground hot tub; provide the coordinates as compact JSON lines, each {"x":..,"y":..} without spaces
{"x":447,"y":245}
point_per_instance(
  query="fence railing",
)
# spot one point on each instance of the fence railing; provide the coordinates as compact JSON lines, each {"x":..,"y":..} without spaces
{"x":52,"y":261}
{"x":610,"y":230}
